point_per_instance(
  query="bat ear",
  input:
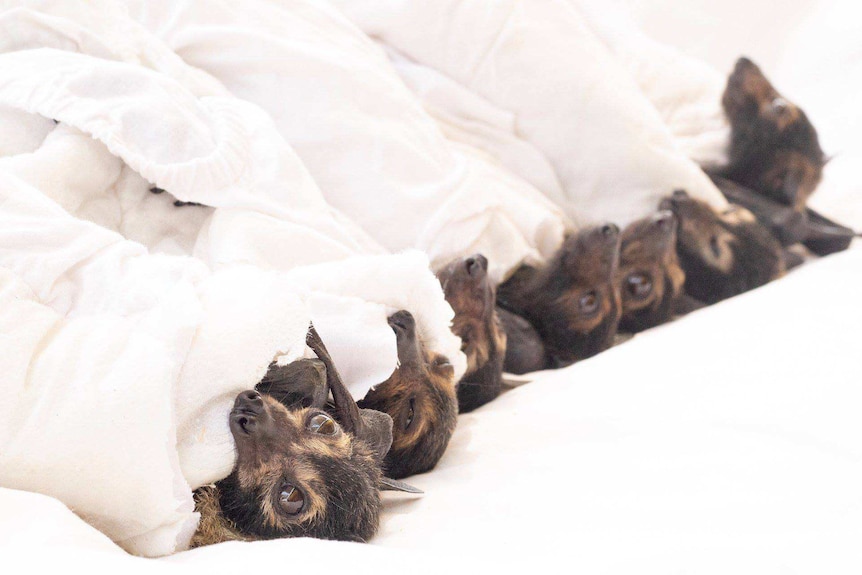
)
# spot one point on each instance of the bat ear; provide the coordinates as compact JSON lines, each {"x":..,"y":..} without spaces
{"x":376,"y":431}
{"x":299,"y":384}
{"x":387,"y":484}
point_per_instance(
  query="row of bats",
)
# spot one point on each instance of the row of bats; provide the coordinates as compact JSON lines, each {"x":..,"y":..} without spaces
{"x":312,"y":462}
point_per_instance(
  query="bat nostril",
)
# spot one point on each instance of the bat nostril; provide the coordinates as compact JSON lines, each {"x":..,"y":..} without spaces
{"x":251,"y":395}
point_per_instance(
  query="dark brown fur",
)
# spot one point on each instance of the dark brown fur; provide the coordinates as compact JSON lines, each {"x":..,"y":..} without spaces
{"x":338,"y":475}
{"x":525,"y":351}
{"x":573,"y":301}
{"x":334,"y":469}
{"x":774,"y":148}
{"x":469,"y":291}
{"x":723,"y":254}
{"x":650,"y":276}
{"x":421,"y":399}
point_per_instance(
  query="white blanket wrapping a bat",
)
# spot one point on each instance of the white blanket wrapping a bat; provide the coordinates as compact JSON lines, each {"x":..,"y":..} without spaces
{"x":124,"y":355}
{"x":564,"y":92}
{"x":375,"y":152}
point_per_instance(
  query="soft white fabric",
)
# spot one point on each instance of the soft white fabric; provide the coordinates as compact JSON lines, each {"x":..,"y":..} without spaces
{"x":212,"y":149}
{"x":376,"y":154}
{"x":568,"y":95}
{"x":685,"y":91}
{"x":120,"y":366}
{"x":740,"y":453}
{"x":95,"y":296}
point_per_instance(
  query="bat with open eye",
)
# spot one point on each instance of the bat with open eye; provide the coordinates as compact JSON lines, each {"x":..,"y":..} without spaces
{"x":572,"y":302}
{"x":722,"y":253}
{"x":300,"y":471}
{"x":420,"y":397}
{"x":774,"y":148}
{"x":472,"y":296}
{"x":650,"y":276}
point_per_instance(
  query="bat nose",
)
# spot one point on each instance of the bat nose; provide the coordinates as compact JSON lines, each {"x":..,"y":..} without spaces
{"x":402,"y":322}
{"x":664,"y":220}
{"x":477,"y":265}
{"x":249,"y":400}
{"x":610,"y":230}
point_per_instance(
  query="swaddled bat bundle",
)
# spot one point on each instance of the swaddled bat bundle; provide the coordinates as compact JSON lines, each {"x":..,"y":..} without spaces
{"x":571,"y":305}
{"x":472,"y":295}
{"x":775,"y":162}
{"x":301,"y":470}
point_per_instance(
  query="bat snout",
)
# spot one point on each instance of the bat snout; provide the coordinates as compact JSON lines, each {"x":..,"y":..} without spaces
{"x":476,"y":266}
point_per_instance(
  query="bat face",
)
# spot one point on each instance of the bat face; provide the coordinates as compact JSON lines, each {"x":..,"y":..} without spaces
{"x":722,"y":254}
{"x":650,"y":276}
{"x":469,"y":291}
{"x":774,"y":147}
{"x":420,"y":397}
{"x":298,"y":474}
{"x":573,"y":302}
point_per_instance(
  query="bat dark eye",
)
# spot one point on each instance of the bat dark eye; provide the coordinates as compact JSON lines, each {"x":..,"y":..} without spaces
{"x":411,"y":412}
{"x":588,"y":303}
{"x":638,"y":285}
{"x":291,"y":500}
{"x":322,"y":424}
{"x":779,"y":105}
{"x":713,"y":245}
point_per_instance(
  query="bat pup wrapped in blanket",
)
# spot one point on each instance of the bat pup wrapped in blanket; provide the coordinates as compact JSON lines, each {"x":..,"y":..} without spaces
{"x":722,"y":253}
{"x":775,"y":162}
{"x":472,"y":295}
{"x":650,"y":277}
{"x":566,"y":310}
{"x":301,"y":470}
{"x":420,"y":397}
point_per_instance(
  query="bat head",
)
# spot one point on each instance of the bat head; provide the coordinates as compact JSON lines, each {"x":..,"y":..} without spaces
{"x":774,"y":148}
{"x":722,"y":253}
{"x":573,"y":301}
{"x":420,"y":398}
{"x":650,"y":277}
{"x":472,"y":296}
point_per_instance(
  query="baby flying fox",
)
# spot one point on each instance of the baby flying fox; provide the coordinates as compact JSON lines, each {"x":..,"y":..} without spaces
{"x":650,"y":277}
{"x":302,"y":471}
{"x":420,"y":398}
{"x":469,"y":291}
{"x":573,"y":301}
{"x":723,"y":254}
{"x":774,"y":149}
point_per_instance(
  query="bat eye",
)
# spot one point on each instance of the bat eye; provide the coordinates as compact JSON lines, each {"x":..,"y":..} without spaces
{"x":411,"y":412}
{"x":291,"y":500}
{"x":322,"y":424}
{"x":713,"y":245}
{"x":588,"y":303}
{"x":638,"y":285}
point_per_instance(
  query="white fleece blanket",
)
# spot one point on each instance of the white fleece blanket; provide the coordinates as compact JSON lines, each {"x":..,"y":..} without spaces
{"x":540,"y":67}
{"x":376,"y":154}
{"x":134,"y":127}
